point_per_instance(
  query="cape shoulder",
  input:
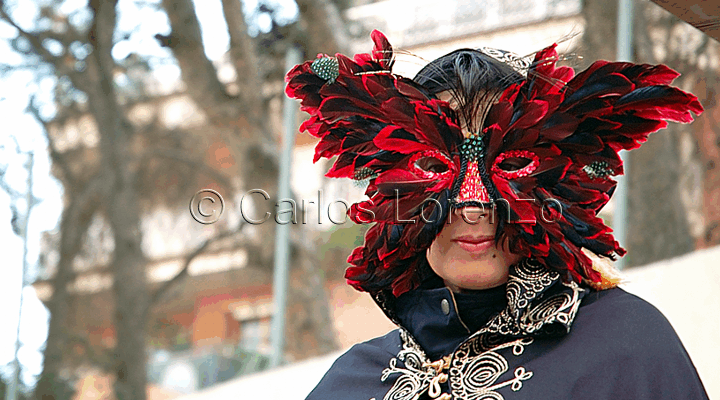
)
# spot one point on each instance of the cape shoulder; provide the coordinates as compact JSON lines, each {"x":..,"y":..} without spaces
{"x":356,"y":374}
{"x":622,"y":347}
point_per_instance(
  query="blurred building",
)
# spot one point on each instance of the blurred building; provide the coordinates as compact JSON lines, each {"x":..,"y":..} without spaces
{"x":425,"y":30}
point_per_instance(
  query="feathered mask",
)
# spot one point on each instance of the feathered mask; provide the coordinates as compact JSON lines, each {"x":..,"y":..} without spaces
{"x":545,"y":154}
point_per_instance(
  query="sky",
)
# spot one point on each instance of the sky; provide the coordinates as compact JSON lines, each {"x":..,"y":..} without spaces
{"x":138,"y":22}
{"x":44,"y":217}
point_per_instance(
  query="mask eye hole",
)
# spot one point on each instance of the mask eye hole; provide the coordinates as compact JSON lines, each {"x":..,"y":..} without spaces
{"x":432,"y":164}
{"x":511,"y":164}
{"x":515,"y":164}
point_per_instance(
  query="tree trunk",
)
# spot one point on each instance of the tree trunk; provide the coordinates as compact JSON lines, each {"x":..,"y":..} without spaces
{"x":660,"y":177}
{"x":75,"y":221}
{"x":600,"y":33}
{"x":657,"y":226}
{"x":310,"y":330}
{"x":128,"y":263}
{"x":328,"y":37}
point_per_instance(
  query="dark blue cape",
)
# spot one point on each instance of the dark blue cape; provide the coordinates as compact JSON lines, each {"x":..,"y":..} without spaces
{"x":619,"y":347}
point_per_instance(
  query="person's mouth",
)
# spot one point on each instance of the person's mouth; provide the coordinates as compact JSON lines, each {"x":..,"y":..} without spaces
{"x":475,"y":244}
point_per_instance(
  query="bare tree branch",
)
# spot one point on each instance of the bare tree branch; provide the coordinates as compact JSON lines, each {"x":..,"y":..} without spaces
{"x":242,"y":52}
{"x":245,"y":60}
{"x":61,"y":63}
{"x":55,"y":155}
{"x":180,"y":156}
{"x":35,"y":38}
{"x":197,"y":71}
{"x":183,"y":273}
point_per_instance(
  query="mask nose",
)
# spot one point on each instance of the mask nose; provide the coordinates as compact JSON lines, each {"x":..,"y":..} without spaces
{"x":472,"y":190}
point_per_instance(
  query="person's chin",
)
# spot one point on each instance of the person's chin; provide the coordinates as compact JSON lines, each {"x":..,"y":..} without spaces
{"x":475,"y":282}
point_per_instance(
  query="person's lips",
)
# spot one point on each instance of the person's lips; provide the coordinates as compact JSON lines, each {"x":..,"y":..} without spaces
{"x":475,"y":244}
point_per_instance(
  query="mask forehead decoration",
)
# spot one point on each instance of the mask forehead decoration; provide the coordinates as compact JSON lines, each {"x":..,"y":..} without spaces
{"x":547,"y":150}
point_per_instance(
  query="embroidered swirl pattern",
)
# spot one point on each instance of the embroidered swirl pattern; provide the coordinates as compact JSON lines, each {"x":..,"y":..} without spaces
{"x":527,"y":280}
{"x":414,"y":378}
{"x":474,"y":376}
{"x":534,"y":309}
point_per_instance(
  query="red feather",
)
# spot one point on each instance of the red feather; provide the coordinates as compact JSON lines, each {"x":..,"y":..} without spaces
{"x":570,"y":127}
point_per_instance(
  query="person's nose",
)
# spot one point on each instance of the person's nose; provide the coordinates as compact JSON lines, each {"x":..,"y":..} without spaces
{"x":473,"y":214}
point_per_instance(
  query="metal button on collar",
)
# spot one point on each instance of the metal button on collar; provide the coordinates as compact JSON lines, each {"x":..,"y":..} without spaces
{"x":445,"y":306}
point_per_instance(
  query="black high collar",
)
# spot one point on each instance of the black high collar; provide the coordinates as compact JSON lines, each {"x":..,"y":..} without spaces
{"x":440,"y":320}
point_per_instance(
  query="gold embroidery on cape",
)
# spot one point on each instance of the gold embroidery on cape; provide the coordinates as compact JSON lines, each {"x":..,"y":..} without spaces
{"x":417,"y":375}
{"x":528,"y":280}
{"x":476,"y":366}
{"x":472,"y":376}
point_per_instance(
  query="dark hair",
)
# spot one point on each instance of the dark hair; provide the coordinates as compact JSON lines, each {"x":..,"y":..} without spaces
{"x":472,"y":78}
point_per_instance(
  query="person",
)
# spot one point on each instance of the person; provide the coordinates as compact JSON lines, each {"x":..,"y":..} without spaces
{"x":485,"y":175}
